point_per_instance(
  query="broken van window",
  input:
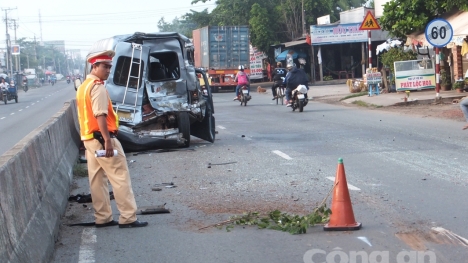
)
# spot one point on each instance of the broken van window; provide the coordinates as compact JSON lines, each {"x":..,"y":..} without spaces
{"x":163,"y":66}
{"x":122,"y":70}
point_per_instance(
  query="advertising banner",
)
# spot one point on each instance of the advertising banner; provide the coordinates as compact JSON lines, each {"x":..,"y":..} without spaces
{"x":256,"y":63}
{"x":15,"y":49}
{"x":414,"y":75}
{"x":336,"y":34}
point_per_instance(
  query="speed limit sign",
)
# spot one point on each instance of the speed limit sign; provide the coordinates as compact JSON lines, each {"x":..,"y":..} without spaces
{"x":439,"y":32}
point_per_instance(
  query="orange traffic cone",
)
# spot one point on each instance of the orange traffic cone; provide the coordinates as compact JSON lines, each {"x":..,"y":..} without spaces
{"x":342,"y":217}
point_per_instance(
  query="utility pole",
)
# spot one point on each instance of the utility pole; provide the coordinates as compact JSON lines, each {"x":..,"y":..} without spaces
{"x":18,"y":67}
{"x":304,"y":32}
{"x":40,"y":24}
{"x":9,"y":60}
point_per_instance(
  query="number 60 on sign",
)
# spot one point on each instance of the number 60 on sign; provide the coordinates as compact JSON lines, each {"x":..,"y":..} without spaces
{"x":439,"y":32}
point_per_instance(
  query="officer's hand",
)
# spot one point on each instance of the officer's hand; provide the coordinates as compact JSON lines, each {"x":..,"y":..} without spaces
{"x":109,"y":148}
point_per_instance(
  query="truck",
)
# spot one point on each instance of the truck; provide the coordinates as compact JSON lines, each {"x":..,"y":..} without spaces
{"x":155,"y":90}
{"x":220,"y":50}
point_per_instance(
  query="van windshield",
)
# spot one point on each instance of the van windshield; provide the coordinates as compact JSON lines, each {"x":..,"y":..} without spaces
{"x":163,"y":66}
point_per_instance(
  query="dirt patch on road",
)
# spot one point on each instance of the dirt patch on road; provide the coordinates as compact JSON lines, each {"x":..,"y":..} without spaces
{"x":450,"y":111}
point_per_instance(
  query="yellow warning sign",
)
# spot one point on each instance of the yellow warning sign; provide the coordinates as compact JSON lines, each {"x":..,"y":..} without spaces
{"x":369,"y":23}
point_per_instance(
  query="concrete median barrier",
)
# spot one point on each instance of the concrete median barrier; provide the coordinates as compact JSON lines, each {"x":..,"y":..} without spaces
{"x":35,"y":177}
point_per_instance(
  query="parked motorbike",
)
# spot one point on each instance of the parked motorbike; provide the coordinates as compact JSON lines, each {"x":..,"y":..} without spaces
{"x":244,"y":95}
{"x":299,"y":98}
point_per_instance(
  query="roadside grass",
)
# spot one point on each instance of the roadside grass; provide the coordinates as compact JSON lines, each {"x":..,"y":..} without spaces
{"x":355,"y":95}
{"x":80,"y":169}
{"x":365,"y":104}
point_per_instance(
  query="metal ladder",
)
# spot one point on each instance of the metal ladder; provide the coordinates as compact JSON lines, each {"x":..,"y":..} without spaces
{"x":139,"y":49}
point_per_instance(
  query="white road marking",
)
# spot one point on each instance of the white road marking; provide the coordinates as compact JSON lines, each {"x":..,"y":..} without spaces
{"x":350,"y":187}
{"x":88,"y":240}
{"x":20,"y":110}
{"x":27,"y":107}
{"x":2,"y":118}
{"x":282,"y":154}
{"x":221,"y":127}
{"x":365,"y":240}
{"x":12,"y":113}
{"x":452,"y":236}
{"x":247,"y":138}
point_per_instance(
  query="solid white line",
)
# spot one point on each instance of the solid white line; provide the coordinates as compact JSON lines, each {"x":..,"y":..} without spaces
{"x":282,"y":154}
{"x":221,"y":127}
{"x":350,"y":187}
{"x":88,"y":240}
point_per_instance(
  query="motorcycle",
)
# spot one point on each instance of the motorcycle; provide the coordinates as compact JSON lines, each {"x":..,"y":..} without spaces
{"x":25,"y":86}
{"x":299,"y":98}
{"x":244,"y":95}
{"x":68,"y":81}
{"x":52,"y":82}
{"x":9,"y":93}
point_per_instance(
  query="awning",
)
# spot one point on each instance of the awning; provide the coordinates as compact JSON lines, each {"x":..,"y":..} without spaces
{"x":294,"y":43}
{"x":459,"y":22}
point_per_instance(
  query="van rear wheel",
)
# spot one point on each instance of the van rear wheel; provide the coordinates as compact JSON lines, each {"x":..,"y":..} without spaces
{"x":184,"y":128}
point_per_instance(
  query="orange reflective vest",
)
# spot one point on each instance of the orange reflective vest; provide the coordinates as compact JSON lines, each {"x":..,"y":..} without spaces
{"x":88,"y":123}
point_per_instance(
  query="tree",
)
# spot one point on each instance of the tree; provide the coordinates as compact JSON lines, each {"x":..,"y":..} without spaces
{"x":181,"y":26}
{"x":261,"y":34}
{"x":199,"y":19}
{"x":403,"y":17}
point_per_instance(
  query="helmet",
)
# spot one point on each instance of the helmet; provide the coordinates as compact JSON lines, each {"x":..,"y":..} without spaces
{"x":289,"y":66}
{"x":279,"y":64}
{"x":241,"y":67}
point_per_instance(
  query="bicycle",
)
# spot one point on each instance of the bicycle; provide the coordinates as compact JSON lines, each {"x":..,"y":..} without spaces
{"x":280,"y":93}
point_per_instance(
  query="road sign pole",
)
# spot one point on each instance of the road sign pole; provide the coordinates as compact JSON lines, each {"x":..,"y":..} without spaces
{"x":438,"y":33}
{"x":437,"y":71}
{"x":370,"y":48}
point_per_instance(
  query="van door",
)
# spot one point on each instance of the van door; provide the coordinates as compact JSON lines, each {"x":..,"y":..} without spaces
{"x":126,"y":81}
{"x":205,"y":129}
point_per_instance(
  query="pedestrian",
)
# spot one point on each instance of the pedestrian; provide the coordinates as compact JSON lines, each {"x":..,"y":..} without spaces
{"x":98,"y":130}
{"x":464,"y":108}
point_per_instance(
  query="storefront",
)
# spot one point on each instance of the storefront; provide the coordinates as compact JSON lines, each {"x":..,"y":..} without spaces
{"x":340,"y":49}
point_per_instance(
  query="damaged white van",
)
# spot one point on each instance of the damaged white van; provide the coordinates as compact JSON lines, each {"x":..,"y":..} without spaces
{"x":156,"y":92}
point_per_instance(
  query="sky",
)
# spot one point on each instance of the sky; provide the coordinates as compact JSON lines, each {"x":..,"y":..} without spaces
{"x":81,"y":23}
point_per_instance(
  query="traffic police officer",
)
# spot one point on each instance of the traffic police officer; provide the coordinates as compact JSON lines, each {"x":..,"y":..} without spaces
{"x":98,"y":129}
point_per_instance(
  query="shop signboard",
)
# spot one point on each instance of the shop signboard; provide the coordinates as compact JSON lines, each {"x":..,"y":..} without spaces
{"x":414,"y":75}
{"x":337,"y":34}
{"x":256,"y":63}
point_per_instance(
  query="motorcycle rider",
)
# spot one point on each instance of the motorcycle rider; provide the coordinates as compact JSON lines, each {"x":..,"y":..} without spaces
{"x":3,"y":84}
{"x":242,"y":79}
{"x":278,"y":74}
{"x":294,"y":78}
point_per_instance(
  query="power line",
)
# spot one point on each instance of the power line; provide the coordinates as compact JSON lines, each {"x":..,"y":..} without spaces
{"x":159,"y":11}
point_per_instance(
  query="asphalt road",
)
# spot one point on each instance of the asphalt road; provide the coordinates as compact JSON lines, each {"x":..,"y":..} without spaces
{"x":34,"y":108}
{"x":405,"y":174}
